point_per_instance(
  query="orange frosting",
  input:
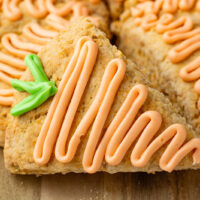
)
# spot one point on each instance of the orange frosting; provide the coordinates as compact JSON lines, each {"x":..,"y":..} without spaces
{"x":13,"y":44}
{"x":38,"y":10}
{"x":56,"y":22}
{"x":123,"y":131}
{"x":11,"y":10}
{"x":35,"y":33}
{"x":6,"y":97}
{"x":119,"y":125}
{"x":69,"y":93}
{"x":184,"y":49}
{"x":174,"y":30}
{"x":10,"y":67}
{"x":169,"y":6}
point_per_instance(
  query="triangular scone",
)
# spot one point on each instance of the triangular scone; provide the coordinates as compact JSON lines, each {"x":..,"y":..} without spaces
{"x":166,"y":46}
{"x":28,"y":33}
{"x":84,"y":43}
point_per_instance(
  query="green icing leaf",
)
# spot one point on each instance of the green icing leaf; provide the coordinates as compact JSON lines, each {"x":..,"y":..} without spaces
{"x":39,"y":91}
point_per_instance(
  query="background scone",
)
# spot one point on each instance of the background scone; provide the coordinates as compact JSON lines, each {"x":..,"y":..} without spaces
{"x":14,"y":16}
{"x":23,"y":131}
{"x":164,"y":41}
{"x":30,"y":29}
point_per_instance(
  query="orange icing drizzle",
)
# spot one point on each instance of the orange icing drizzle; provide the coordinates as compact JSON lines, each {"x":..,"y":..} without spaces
{"x":10,"y":9}
{"x":96,"y":114}
{"x":185,"y":49}
{"x":149,"y":22}
{"x":56,"y":22}
{"x":35,"y":33}
{"x":39,"y":10}
{"x":191,"y":72}
{"x":122,"y":131}
{"x":77,"y":8}
{"x":6,"y":97}
{"x":69,"y":93}
{"x":10,"y":67}
{"x":13,"y":44}
{"x":169,"y":6}
{"x":174,"y":30}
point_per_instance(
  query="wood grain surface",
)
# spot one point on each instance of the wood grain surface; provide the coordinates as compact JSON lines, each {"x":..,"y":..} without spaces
{"x":182,"y":185}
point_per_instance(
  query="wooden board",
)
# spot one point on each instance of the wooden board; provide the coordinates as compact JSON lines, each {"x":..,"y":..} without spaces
{"x":138,"y":186}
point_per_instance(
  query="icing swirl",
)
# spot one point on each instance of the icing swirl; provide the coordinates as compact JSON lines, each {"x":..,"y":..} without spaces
{"x":167,"y":6}
{"x":6,"y":97}
{"x":123,"y":130}
{"x":78,"y":72}
{"x":10,"y":67}
{"x":56,"y":22}
{"x":11,"y":10}
{"x":39,"y":10}
{"x":13,"y":44}
{"x":37,"y":34}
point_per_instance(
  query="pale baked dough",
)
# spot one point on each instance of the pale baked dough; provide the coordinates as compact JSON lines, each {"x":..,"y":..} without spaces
{"x":23,"y":131}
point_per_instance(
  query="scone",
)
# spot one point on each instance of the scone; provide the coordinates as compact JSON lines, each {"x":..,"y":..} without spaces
{"x":15,"y":14}
{"x":104,"y":116}
{"x":163,"y":39}
{"x":28,"y":32}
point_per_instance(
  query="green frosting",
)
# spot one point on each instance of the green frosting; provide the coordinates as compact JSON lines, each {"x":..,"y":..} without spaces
{"x":40,"y":90}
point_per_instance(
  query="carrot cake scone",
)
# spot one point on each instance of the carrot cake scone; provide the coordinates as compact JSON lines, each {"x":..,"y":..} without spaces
{"x":27,"y":26}
{"x":16,"y":13}
{"x":103,"y":117}
{"x":163,"y":38}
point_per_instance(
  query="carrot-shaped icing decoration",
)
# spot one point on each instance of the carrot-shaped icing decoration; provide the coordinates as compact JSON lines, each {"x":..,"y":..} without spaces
{"x":40,"y":90}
